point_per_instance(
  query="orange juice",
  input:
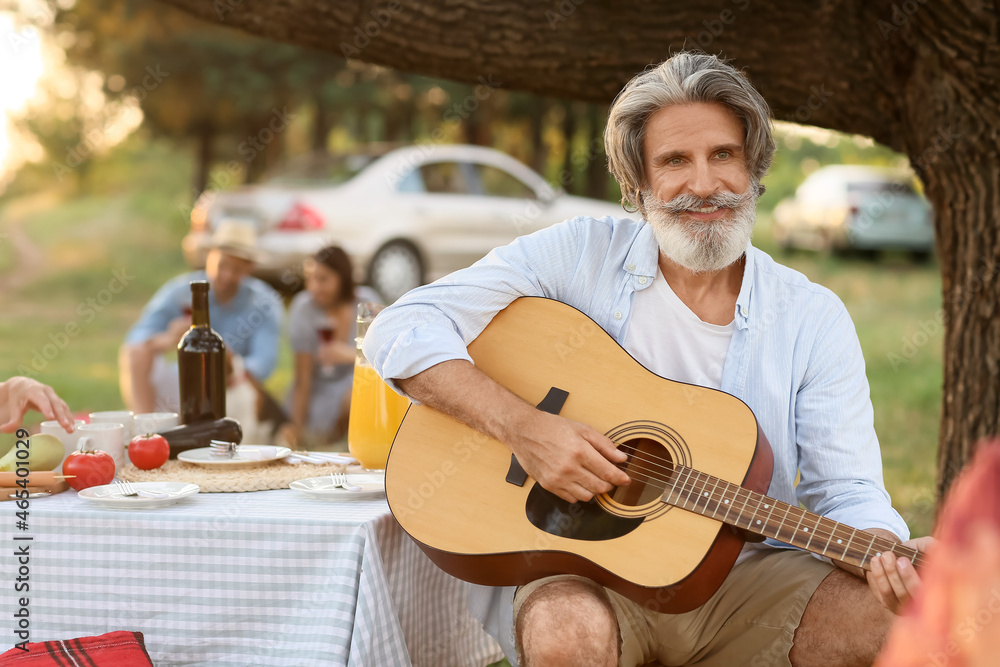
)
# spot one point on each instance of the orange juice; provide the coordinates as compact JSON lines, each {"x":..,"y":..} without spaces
{"x":376,"y":411}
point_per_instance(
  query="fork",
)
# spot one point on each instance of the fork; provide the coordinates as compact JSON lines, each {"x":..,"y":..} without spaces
{"x":339,"y":480}
{"x":125,"y":489}
{"x":223,"y":448}
{"x":128,"y":491}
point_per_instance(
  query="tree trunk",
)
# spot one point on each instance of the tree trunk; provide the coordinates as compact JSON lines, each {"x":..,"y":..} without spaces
{"x":918,"y":76}
{"x":203,"y":158}
{"x":970,"y":264}
{"x":536,"y":123}
{"x":597,"y":160}
{"x":477,"y":119}
{"x":567,"y":177}
{"x":274,"y":151}
{"x":321,"y":124}
{"x":947,"y":123}
{"x":400,"y":119}
{"x":265,"y":148}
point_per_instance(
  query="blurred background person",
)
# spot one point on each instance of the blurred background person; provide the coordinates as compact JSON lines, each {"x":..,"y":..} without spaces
{"x":244,"y":310}
{"x":322,"y":328}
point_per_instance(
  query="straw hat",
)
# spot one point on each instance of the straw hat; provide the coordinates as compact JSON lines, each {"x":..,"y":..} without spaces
{"x":237,"y":239}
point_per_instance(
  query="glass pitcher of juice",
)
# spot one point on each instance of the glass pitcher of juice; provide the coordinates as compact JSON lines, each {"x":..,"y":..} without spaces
{"x":376,"y":410}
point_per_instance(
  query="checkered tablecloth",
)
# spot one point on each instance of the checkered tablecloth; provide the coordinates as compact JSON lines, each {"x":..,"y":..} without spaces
{"x":239,"y":579}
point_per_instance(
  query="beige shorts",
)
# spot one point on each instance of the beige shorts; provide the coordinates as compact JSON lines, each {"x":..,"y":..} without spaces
{"x":751,"y":619}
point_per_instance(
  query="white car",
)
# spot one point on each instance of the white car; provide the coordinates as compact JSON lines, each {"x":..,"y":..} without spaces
{"x":405,"y":217}
{"x":856,"y":207}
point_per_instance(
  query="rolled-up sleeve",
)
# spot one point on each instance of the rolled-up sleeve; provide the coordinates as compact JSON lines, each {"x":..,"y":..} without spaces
{"x":435,"y":323}
{"x":166,"y":304}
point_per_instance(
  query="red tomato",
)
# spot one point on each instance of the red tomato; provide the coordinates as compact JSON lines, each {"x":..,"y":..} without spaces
{"x":148,"y":451}
{"x":91,"y":468}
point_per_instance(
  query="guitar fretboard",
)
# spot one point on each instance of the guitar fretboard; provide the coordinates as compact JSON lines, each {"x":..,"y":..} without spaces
{"x":730,"y":503}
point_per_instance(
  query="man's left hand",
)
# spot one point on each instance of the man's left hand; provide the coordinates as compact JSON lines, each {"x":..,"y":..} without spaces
{"x":894,"y":580}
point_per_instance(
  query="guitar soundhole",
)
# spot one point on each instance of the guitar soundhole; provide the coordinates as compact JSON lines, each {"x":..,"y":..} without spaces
{"x":649,"y":466}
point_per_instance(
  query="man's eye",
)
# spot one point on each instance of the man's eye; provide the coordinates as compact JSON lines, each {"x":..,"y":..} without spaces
{"x":674,"y":161}
{"x":723,"y":154}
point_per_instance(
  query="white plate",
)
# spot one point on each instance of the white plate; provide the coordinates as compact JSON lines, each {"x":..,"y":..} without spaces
{"x":247,"y":456}
{"x":372,"y":486}
{"x":109,"y":496}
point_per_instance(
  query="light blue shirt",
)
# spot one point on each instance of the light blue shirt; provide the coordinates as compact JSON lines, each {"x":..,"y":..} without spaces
{"x":249,"y":323}
{"x":794,"y":357}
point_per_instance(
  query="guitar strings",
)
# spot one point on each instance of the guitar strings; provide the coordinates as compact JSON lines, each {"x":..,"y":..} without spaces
{"x":692,"y":482}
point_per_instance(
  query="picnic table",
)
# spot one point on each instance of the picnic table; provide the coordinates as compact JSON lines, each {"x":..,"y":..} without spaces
{"x":263,"y":578}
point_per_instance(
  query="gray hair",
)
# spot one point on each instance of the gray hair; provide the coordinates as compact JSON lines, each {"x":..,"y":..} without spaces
{"x":685,"y":78}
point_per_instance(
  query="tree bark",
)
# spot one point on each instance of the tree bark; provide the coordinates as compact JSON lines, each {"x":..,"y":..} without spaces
{"x":568,"y":176}
{"x":203,"y":158}
{"x":919,"y":76}
{"x":536,"y":125}
{"x":942,"y":70}
{"x":477,"y":119}
{"x":321,"y":124}
{"x":596,"y":160}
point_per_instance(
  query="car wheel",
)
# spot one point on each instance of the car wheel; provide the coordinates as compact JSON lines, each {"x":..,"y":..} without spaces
{"x":395,"y":269}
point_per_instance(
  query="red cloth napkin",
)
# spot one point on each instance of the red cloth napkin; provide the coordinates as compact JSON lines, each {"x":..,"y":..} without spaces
{"x":113,"y":649}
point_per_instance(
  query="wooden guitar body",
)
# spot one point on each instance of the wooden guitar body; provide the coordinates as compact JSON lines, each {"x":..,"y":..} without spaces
{"x":456,"y":492}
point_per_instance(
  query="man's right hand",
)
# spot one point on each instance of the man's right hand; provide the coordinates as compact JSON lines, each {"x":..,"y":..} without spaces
{"x":171,"y":336}
{"x":570,"y":459}
{"x":176,"y":330}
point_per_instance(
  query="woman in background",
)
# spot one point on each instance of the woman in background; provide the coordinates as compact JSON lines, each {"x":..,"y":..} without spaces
{"x":322,"y":328}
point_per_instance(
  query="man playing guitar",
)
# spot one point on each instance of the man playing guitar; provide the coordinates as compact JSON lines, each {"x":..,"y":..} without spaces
{"x":684,"y":292}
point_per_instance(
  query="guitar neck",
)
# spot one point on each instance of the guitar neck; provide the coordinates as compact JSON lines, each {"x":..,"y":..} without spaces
{"x":732,"y":504}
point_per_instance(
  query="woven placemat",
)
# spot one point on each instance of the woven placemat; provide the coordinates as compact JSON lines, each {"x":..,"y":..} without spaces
{"x":270,"y":475}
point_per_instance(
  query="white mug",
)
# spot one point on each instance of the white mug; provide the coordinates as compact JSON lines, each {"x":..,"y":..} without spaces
{"x":155,"y":422}
{"x":123,"y":417}
{"x":106,"y":436}
{"x":68,"y":440}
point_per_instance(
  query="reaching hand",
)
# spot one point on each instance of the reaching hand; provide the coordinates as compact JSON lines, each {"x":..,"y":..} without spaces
{"x":176,"y":330}
{"x":894,"y":580}
{"x":570,"y":459}
{"x":20,"y":394}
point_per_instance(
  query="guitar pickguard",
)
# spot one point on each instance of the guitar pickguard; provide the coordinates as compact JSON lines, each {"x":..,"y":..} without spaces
{"x":576,"y":521}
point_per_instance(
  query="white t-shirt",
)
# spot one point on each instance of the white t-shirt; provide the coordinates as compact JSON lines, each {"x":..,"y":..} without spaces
{"x":666,"y":337}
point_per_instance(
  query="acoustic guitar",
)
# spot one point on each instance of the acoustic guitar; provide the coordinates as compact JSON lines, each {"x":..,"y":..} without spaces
{"x":698,"y":461}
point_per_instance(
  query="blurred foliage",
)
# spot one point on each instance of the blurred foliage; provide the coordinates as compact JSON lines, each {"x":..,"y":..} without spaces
{"x":242,"y":105}
{"x":801,"y":151}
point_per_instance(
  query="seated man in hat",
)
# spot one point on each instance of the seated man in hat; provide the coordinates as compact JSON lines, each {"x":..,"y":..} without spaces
{"x":245,"y":311}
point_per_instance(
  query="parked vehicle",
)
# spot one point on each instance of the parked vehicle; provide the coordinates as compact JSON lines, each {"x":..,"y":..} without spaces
{"x":855,"y":207}
{"x":407,"y":216}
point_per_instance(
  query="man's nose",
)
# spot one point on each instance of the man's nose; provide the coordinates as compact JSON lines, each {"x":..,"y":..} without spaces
{"x":704,"y":181}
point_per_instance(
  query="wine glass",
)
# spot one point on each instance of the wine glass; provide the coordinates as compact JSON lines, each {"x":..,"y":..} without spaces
{"x":325,"y":334}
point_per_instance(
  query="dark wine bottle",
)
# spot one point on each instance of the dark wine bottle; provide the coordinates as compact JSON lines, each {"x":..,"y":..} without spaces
{"x":201,"y":360}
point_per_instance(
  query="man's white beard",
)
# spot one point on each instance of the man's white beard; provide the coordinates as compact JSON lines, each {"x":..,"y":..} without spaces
{"x":702,"y":245}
